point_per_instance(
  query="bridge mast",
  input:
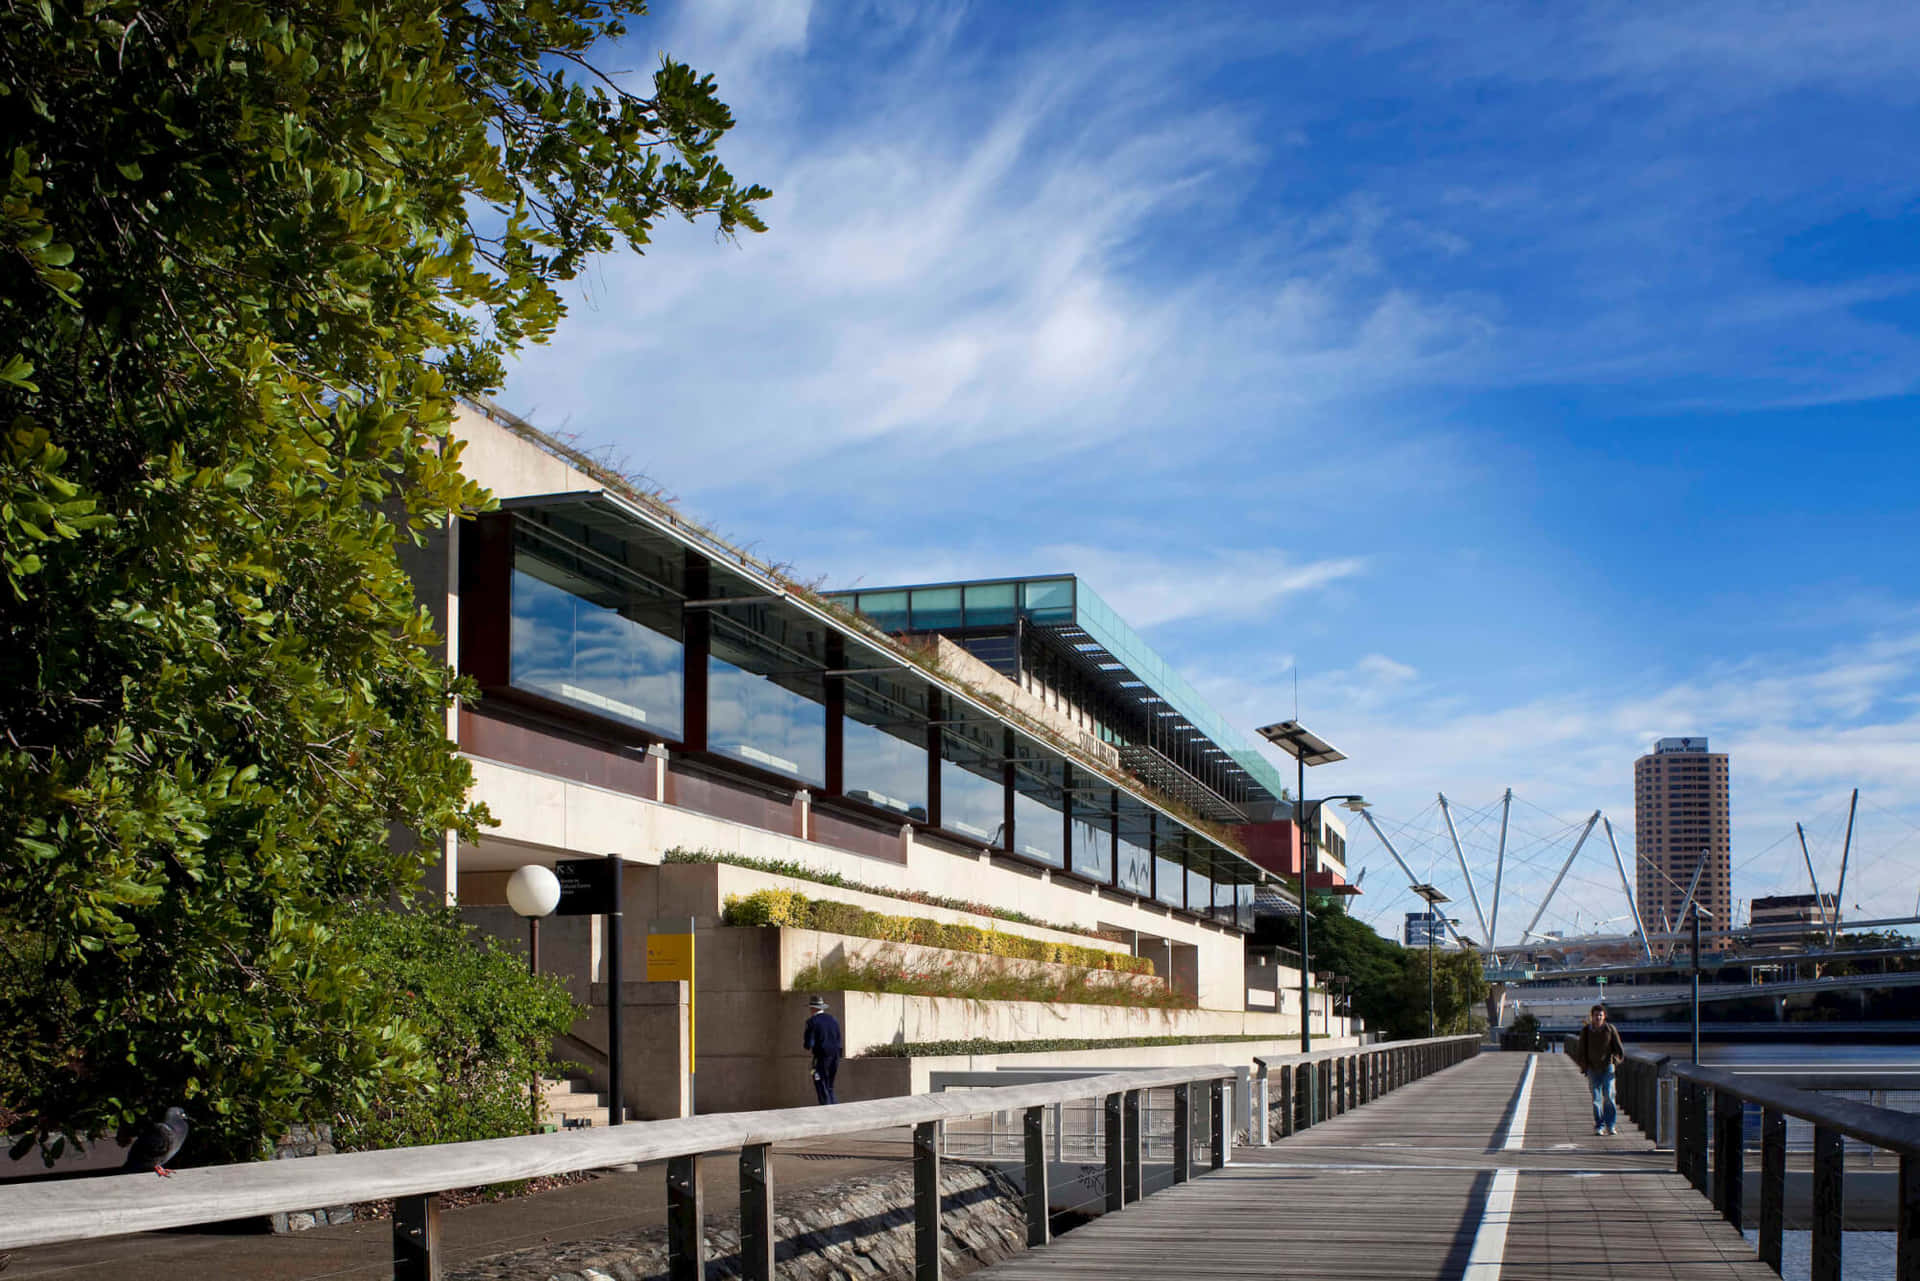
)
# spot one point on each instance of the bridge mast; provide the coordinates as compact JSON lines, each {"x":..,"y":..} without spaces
{"x":1633,"y":907}
{"x":1411,"y":878}
{"x":1551,"y":890}
{"x":1472,"y":893}
{"x":1499,"y":866}
{"x":1833,"y":923}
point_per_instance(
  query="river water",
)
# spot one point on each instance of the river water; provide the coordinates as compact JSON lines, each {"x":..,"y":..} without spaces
{"x":1868,"y":1256}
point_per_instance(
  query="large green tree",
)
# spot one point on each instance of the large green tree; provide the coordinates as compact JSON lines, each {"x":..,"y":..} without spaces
{"x":250,"y":252}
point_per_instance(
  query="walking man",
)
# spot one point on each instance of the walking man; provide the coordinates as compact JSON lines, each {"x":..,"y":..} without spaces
{"x":1596,"y":1051}
{"x":823,"y":1039}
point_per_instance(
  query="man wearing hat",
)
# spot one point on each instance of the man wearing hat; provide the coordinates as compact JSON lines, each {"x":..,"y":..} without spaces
{"x":823,"y":1039}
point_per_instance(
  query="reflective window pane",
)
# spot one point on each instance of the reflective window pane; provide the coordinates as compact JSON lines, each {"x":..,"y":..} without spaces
{"x":935,"y":608}
{"x":1199,"y":892}
{"x":972,"y":797}
{"x":1136,"y":868}
{"x":885,"y":762}
{"x":752,"y":719}
{"x":577,"y":644}
{"x":1037,"y":828}
{"x":992,"y":603}
{"x":1092,"y":846}
{"x":1049,"y":600}
{"x":886,"y":610}
{"x":1172,"y":883}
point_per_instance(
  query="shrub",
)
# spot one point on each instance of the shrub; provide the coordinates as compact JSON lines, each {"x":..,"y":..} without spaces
{"x":487,"y":1027}
{"x":979,"y":982}
{"x":785,"y":907}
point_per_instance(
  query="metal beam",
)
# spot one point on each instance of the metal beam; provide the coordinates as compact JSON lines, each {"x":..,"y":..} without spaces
{"x":1499,"y":867}
{"x":1552,"y":889}
{"x":1639,"y":925}
{"x":1840,"y":890}
{"x":1411,"y":878}
{"x":1472,"y":893}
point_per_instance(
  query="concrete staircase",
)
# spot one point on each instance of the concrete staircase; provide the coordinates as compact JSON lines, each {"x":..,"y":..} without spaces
{"x":567,"y":1104}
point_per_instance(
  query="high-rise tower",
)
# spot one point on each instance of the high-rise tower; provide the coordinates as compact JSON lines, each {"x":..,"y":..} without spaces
{"x":1681,"y":819}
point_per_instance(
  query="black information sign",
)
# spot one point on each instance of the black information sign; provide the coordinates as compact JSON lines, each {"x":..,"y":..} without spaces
{"x":586,"y":886}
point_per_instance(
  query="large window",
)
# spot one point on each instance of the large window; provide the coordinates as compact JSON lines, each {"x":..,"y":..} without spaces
{"x":1037,"y":820}
{"x":762,"y":722}
{"x":972,"y":796}
{"x":587,"y":640}
{"x":1136,"y":868}
{"x":886,"y":756}
{"x":1093,"y":836}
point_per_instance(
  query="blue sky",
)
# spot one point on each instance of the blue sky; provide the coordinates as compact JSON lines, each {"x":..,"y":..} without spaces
{"x":1530,"y":381}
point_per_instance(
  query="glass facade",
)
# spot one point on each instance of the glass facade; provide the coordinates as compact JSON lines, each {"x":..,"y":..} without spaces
{"x":972,"y":799}
{"x":1092,"y":853}
{"x":753,"y":719}
{"x":579,"y":640}
{"x":1038,"y":823}
{"x":1136,"y":868}
{"x":885,"y":762}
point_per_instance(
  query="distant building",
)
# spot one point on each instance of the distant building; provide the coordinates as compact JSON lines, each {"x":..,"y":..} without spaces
{"x":1681,"y":822}
{"x":1793,"y":909}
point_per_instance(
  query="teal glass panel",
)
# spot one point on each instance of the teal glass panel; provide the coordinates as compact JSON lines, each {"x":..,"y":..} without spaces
{"x":991,"y":604}
{"x":885,"y":610}
{"x":768,"y":726}
{"x":1049,"y":600}
{"x":936,"y":608}
{"x":587,"y":654}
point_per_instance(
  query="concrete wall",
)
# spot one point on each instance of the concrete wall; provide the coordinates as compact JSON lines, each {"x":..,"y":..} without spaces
{"x":653,"y":1054}
{"x":542,"y":817}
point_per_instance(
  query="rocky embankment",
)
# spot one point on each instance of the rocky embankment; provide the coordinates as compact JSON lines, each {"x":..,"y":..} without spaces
{"x":860,"y":1227}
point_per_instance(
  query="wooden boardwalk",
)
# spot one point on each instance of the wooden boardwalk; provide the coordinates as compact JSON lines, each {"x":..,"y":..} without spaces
{"x":1481,"y":1172}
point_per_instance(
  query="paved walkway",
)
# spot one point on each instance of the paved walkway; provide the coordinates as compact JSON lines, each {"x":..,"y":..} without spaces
{"x":1487,"y":1170}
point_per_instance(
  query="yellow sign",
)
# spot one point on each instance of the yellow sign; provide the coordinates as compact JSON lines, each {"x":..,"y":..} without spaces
{"x":669,"y":957}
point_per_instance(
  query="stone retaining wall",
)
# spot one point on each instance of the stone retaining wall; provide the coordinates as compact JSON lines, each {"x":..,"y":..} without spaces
{"x":859,"y":1227}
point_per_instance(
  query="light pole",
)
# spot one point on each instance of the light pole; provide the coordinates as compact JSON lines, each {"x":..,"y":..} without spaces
{"x":533,"y":891}
{"x":1434,"y":898}
{"x":1306,"y":748}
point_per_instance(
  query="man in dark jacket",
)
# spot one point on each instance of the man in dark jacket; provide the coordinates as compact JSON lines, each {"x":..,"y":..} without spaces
{"x":1596,"y":1051}
{"x":823,"y":1039}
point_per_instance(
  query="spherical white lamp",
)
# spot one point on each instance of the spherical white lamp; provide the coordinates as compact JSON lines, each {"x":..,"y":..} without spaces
{"x":533,"y":891}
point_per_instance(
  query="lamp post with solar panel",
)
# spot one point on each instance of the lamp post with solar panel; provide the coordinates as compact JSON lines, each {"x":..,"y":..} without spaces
{"x":1434,"y":899}
{"x":1306,"y":748}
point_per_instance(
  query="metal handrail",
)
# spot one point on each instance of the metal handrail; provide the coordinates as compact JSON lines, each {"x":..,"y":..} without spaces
{"x":1703,"y":1092}
{"x":45,"y":1213}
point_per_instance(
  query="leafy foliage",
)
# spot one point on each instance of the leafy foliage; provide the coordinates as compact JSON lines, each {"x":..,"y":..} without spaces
{"x":486,"y":1027}
{"x":822,"y":876}
{"x":978,"y":979}
{"x":252,"y":252}
{"x":785,"y":907}
{"x":1389,"y":982}
{"x":1459,"y":986}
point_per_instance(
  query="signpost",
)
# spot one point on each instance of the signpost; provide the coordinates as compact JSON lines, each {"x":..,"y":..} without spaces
{"x":591,"y":887}
{"x":670,"y":958}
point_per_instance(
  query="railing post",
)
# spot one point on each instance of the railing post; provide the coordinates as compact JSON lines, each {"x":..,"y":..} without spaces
{"x":1323,"y":1076}
{"x":416,"y":1238}
{"x":1729,"y":1172}
{"x":926,"y":1201}
{"x":1035,"y":1132}
{"x":1288,"y":1114}
{"x":1116,"y":1153}
{"x":756,"y":1212}
{"x":1221,"y":1136}
{"x":1134,"y":1142}
{"x":1906,"y":1253}
{"x":1773,"y":1185}
{"x":1183,"y":1130}
{"x":686,"y":1221}
{"x":1829,"y":1172}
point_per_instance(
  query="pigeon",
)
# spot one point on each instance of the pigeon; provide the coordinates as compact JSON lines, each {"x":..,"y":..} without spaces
{"x":157,"y":1144}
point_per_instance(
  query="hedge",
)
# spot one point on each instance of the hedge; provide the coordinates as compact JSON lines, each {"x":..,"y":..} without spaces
{"x":821,"y":876}
{"x":932,"y":1049}
{"x":789,"y":907}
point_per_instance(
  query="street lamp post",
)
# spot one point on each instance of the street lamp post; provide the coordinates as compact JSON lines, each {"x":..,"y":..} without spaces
{"x":533,"y":891}
{"x":1434,"y":898}
{"x":1306,"y":748}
